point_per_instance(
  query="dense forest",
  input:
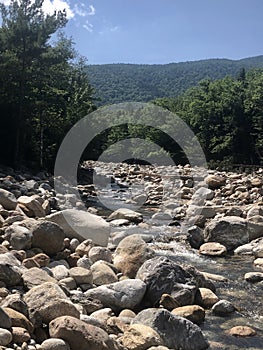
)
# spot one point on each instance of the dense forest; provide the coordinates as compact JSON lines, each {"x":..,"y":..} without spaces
{"x":46,"y":87}
{"x":115,"y":83}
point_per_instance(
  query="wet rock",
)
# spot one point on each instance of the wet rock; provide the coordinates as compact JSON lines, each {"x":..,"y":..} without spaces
{"x":223,"y":308}
{"x":20,"y":335}
{"x":5,"y":337}
{"x":102,"y":274}
{"x":54,"y":344}
{"x":48,"y":236}
{"x":231,"y":231}
{"x":212,"y":249}
{"x":31,"y":206}
{"x":163,"y":276}
{"x":241,"y":331}
{"x":47,"y":302}
{"x":188,"y":335}
{"x":7,"y":200}
{"x":81,"y":336}
{"x":19,"y":320}
{"x":254,"y":277}
{"x":18,"y":236}
{"x":82,"y":225}
{"x":35,"y":276}
{"x":130,"y":254}
{"x":127,"y":214}
{"x":195,"y":236}
{"x":120,"y":295}
{"x":193,"y":313}
{"x":140,"y":337}
{"x":206,"y":298}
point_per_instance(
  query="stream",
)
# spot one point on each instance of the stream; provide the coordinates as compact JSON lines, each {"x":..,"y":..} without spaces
{"x":168,"y":241}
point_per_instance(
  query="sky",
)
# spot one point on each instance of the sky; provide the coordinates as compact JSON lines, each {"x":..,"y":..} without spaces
{"x":162,"y":31}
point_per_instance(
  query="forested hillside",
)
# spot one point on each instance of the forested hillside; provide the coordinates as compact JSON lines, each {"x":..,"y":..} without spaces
{"x":114,"y":83}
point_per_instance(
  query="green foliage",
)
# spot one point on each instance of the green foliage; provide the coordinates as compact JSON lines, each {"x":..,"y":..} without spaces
{"x":115,"y":83}
{"x":44,"y":87}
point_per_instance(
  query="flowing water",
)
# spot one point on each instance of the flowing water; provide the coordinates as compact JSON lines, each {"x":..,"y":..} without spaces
{"x":246,"y":297}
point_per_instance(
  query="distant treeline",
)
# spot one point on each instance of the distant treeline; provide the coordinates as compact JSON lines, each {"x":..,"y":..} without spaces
{"x":115,"y":83}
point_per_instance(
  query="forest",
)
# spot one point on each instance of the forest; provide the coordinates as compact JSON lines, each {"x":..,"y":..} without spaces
{"x":46,"y":87}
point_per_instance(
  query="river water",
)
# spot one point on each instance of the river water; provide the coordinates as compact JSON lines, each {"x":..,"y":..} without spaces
{"x":246,"y":297}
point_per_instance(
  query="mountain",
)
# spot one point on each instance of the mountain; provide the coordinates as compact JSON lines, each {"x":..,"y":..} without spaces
{"x":114,"y":83}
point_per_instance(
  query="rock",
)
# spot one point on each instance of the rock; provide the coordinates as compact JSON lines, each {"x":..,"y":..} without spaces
{"x":102,"y":274}
{"x":15,"y":302}
{"x":35,"y":276}
{"x":223,"y":308}
{"x":127,"y":214}
{"x":83,"y":248}
{"x":100,"y":253}
{"x":9,"y":274}
{"x":255,"y":211}
{"x":18,"y":236}
{"x":82,"y":225}
{"x":140,"y":337}
{"x":120,"y":295}
{"x":212,"y":249}
{"x":206,"y":298}
{"x":168,"y":302}
{"x":42,"y":259}
{"x":20,"y":335}
{"x":231,"y":231}
{"x":253,"y":277}
{"x":188,"y":335}
{"x":163,"y":276}
{"x":201,"y":194}
{"x":193,"y":313}
{"x":81,"y":336}
{"x":258,"y":262}
{"x":214,"y":277}
{"x":84,"y":262}
{"x":5,"y":320}
{"x":5,"y":337}
{"x":255,"y":227}
{"x":81,"y":275}
{"x":47,"y":302}
{"x":130,"y":254}
{"x":7,"y":200}
{"x":68,"y":282}
{"x":60,"y":272}
{"x":215,"y":181}
{"x":19,"y":320}
{"x":54,"y":344}
{"x":31,"y":206}
{"x":48,"y":236}
{"x":195,"y":236}
{"x":241,"y":331}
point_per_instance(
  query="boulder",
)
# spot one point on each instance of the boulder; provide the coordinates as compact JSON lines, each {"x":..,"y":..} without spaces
{"x":254,"y":277}
{"x":100,"y":253}
{"x":223,"y":308}
{"x":140,"y":337}
{"x":81,"y":275}
{"x":19,"y":237}
{"x":81,"y":336}
{"x":20,"y":335}
{"x":82,"y":225}
{"x":255,"y":227}
{"x":241,"y":331}
{"x":193,"y":313}
{"x":130,"y":254}
{"x":176,"y":332}
{"x":19,"y":320}
{"x":126,"y":214}
{"x":195,"y":236}
{"x":31,"y":206}
{"x":15,"y":302}
{"x":5,"y":320}
{"x":47,"y":302}
{"x":215,"y":181}
{"x":48,"y":236}
{"x":212,"y":249}
{"x":206,"y":298}
{"x":35,"y":276}
{"x":54,"y":344}
{"x":231,"y":231}
{"x":163,"y":276}
{"x":5,"y":337}
{"x":102,"y":274}
{"x":120,"y":295}
{"x":7,"y":200}
{"x":9,"y":274}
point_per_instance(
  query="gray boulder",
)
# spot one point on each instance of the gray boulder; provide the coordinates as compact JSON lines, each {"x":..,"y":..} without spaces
{"x":7,"y":199}
{"x":176,"y":332}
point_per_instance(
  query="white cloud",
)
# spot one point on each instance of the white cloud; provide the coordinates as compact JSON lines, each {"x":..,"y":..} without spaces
{"x":50,"y":6}
{"x":114,"y":29}
{"x":88,"y":26}
{"x":92,"y":10}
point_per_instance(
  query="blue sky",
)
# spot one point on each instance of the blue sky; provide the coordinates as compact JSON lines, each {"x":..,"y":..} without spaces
{"x":163,"y":31}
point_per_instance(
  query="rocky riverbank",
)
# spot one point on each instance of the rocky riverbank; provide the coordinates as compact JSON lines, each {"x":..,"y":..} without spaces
{"x":73,"y":276}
